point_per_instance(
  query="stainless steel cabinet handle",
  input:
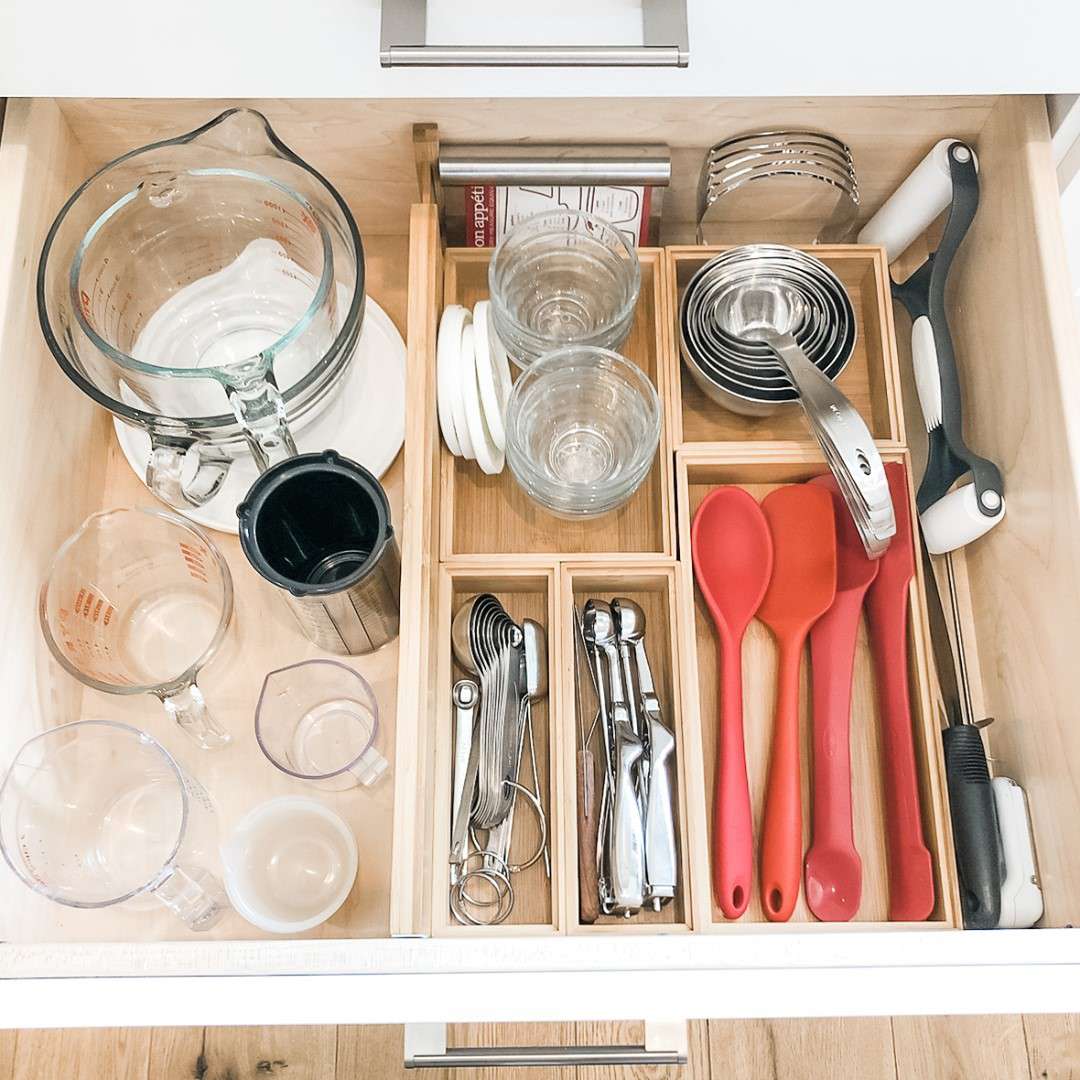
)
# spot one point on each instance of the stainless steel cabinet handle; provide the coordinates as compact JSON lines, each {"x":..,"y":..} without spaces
{"x":403,"y":42}
{"x":425,"y":1048}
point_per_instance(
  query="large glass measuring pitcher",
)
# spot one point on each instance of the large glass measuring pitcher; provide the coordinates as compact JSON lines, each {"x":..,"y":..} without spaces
{"x":209,"y":288}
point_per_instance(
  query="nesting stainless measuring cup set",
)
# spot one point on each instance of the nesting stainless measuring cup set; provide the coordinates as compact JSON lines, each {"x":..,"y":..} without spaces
{"x":492,"y":727}
{"x":763,"y":325}
{"x":636,"y":854}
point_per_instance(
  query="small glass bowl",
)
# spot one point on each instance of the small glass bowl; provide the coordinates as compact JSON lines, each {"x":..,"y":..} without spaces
{"x":582,"y":429}
{"x":562,"y":277}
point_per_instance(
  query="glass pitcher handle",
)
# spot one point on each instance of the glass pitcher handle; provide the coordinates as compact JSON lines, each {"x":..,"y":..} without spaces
{"x":165,"y":472}
{"x":194,"y":895}
{"x":187,"y":707}
{"x":260,"y":410}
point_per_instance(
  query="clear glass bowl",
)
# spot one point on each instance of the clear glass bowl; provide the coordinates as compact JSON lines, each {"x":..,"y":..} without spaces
{"x":562,"y":277}
{"x":582,"y":428}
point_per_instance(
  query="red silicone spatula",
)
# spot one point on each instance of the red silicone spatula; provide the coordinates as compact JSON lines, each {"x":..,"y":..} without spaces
{"x":833,"y":870}
{"x":801,"y":590}
{"x":732,"y":553}
{"x":911,"y":871}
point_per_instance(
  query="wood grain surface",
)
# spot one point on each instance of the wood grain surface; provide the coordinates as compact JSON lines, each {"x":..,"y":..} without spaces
{"x":871,"y":1048}
{"x":410,"y":900}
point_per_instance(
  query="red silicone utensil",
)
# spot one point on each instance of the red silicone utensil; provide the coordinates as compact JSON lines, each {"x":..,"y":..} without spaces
{"x":732,"y":553}
{"x":833,"y":871}
{"x":911,"y":871}
{"x":801,"y":590}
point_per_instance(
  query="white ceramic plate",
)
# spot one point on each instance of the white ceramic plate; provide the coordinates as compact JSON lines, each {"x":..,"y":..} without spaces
{"x":364,"y":421}
{"x":492,"y":372}
{"x":488,"y":456}
{"x":455,"y":389}
{"x":450,"y":325}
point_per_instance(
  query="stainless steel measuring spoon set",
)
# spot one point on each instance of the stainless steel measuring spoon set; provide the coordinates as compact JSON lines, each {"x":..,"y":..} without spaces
{"x":492,"y":723}
{"x":636,"y":857}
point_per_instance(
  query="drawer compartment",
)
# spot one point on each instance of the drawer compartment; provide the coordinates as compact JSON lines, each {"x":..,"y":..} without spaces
{"x":525,"y":594}
{"x":653,"y":588}
{"x":491,"y":515}
{"x":870,"y":379}
{"x":699,"y":472}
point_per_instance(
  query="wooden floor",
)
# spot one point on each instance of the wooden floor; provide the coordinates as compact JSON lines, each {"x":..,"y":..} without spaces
{"x":902,"y":1048}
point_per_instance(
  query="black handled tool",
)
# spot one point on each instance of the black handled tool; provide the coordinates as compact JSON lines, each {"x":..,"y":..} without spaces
{"x":950,"y":516}
{"x":979,"y":859}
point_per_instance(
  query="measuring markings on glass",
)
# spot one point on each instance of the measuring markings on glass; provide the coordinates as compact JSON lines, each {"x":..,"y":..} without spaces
{"x":195,"y":558}
{"x":87,"y":638}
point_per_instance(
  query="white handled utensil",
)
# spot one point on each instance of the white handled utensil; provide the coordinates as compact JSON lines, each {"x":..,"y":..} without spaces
{"x":951,"y":516}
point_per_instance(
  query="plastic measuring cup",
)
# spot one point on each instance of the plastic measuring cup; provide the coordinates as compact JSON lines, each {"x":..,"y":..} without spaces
{"x":137,"y":602}
{"x":289,"y":864}
{"x":317,"y":721}
{"x":95,"y":813}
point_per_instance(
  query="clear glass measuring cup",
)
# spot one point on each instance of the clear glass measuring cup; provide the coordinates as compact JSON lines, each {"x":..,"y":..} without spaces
{"x":96,"y":813}
{"x":209,"y":288}
{"x":137,"y":602}
{"x":317,"y":721}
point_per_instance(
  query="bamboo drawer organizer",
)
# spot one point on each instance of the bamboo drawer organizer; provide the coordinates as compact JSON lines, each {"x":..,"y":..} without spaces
{"x":491,"y":537}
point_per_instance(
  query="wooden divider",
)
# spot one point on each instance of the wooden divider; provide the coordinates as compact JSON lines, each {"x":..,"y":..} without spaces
{"x":653,"y":587}
{"x":870,"y":379}
{"x":490,"y":515}
{"x":698,"y":472}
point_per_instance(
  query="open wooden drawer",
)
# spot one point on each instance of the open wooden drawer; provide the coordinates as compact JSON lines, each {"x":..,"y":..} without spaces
{"x":391,"y":953}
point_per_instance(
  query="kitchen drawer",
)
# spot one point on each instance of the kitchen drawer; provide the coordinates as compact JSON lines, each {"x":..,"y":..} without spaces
{"x":391,"y":953}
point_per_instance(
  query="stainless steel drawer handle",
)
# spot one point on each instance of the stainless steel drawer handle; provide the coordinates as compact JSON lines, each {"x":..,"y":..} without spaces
{"x":425,"y":1048}
{"x":525,"y":164}
{"x":403,"y":42}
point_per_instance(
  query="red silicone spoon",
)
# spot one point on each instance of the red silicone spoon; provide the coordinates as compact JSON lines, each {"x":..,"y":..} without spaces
{"x":801,"y":591}
{"x":732,"y":553}
{"x":833,"y":871}
{"x":911,"y":871}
